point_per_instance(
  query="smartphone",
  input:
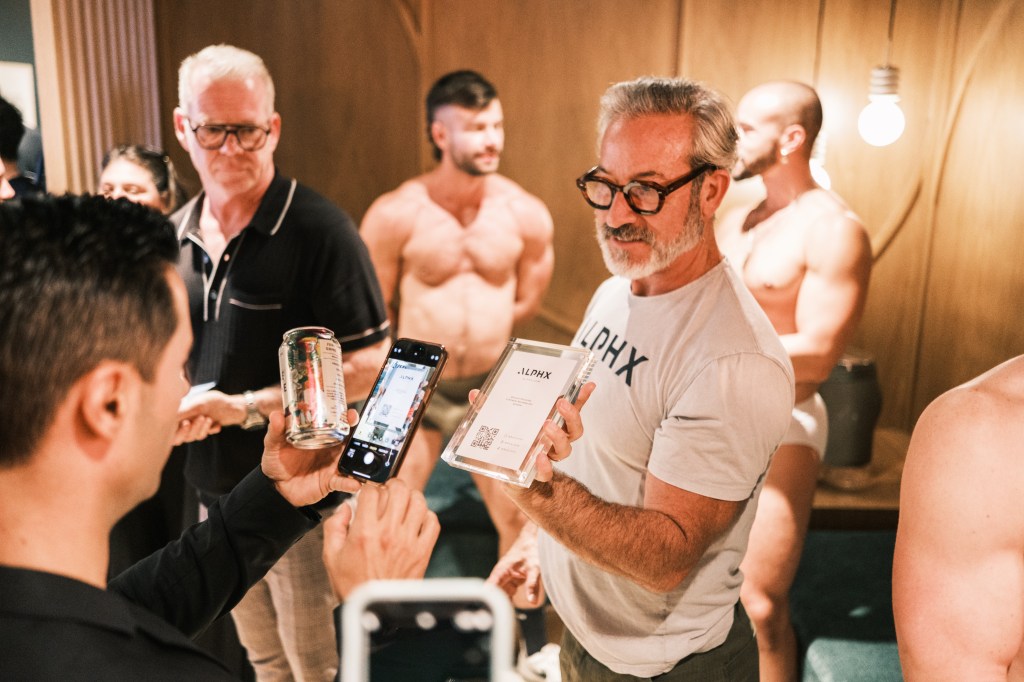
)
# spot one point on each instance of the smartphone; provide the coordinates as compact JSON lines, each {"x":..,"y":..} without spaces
{"x":392,"y":412}
{"x":456,"y":629}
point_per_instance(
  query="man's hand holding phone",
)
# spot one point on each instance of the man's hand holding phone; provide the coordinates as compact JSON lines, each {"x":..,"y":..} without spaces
{"x":375,"y":450}
{"x":303,"y":476}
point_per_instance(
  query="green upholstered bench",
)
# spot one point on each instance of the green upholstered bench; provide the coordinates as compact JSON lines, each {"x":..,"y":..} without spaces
{"x":842,"y":607}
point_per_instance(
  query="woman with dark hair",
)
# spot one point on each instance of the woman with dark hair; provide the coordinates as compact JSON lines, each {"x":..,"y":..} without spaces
{"x":142,"y":174}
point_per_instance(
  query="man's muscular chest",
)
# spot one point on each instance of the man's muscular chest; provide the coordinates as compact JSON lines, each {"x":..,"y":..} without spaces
{"x":441,"y":248}
{"x":770,"y":256}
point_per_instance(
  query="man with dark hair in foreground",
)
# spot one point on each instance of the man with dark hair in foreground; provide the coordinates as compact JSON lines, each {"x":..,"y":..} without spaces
{"x":94,"y":338}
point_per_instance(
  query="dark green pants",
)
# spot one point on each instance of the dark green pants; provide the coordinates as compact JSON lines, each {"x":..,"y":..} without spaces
{"x":734,"y":660}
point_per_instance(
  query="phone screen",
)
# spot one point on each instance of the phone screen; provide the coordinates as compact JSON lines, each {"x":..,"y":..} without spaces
{"x":448,"y":641}
{"x":456,"y":629}
{"x":392,"y":410}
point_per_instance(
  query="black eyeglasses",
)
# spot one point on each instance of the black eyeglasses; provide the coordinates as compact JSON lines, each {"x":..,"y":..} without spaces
{"x":213,"y":136}
{"x":644,"y":197}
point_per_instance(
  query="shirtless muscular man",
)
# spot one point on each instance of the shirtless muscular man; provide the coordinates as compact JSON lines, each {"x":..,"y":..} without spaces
{"x":462,"y":254}
{"x":806,"y":258}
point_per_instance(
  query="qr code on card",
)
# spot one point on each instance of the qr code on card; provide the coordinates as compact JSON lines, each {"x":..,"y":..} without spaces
{"x":484,"y":438}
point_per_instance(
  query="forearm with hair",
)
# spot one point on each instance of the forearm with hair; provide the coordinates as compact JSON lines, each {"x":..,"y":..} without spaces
{"x":643,"y":545}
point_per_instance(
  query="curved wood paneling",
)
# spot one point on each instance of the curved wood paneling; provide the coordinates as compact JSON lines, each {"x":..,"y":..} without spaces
{"x":972,"y":319}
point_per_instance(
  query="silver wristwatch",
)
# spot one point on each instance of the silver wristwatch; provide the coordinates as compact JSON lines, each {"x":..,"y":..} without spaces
{"x":253,"y":418}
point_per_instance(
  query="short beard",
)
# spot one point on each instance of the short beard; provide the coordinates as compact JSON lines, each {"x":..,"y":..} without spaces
{"x":757,"y":166}
{"x":468,"y":165}
{"x":662,"y":255}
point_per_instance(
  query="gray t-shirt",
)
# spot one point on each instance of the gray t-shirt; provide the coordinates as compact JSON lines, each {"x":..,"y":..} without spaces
{"x":694,"y":387}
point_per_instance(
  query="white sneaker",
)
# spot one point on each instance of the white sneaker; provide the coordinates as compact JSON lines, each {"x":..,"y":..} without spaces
{"x":541,"y":666}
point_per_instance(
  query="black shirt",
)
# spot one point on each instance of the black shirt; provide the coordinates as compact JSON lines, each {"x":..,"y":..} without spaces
{"x":300,"y":262}
{"x":56,"y":628}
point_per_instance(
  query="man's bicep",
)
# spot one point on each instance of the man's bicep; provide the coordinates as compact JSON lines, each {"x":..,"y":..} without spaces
{"x":828,"y":308}
{"x":958,"y":571}
{"x":537,"y":262}
{"x":957,"y":607}
{"x":533,"y":276}
{"x":835,"y":285}
{"x":827,"y":313}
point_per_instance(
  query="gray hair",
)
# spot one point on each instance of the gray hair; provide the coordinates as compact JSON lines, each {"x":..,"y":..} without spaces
{"x":714,"y":138}
{"x":223,"y":62}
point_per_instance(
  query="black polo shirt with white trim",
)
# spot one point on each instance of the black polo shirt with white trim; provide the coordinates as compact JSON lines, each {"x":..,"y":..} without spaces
{"x":300,"y":262}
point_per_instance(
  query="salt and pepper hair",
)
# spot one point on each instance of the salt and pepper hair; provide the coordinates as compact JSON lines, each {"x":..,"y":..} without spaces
{"x":714,"y":134}
{"x":219,"y":63}
{"x":155,"y":162}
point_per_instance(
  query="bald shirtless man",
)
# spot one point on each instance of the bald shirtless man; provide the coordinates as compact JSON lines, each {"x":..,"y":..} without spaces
{"x":806,"y":258}
{"x":958,"y":572}
{"x":462,"y":254}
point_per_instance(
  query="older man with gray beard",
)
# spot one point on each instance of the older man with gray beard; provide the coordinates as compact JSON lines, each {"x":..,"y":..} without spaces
{"x":642,"y":529}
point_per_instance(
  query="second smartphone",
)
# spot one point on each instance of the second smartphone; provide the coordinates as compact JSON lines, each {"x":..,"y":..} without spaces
{"x":391,"y":414}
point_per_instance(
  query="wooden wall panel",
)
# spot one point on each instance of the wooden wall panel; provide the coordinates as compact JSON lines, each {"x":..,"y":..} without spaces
{"x":972,"y":320}
{"x":885,"y":186}
{"x":352,"y":75}
{"x":97,"y":84}
{"x":737,"y":45}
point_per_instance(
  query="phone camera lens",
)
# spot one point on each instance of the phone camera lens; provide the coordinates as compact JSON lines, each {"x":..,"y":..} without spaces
{"x":418,"y":350}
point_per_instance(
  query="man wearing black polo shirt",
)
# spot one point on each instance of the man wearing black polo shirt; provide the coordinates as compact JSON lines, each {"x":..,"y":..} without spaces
{"x":262,"y":254}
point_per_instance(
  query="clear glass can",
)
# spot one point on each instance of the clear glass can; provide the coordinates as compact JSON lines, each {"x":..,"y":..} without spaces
{"x":313,"y":388}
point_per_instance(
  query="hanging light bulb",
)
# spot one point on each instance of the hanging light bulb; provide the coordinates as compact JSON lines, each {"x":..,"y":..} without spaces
{"x":882,"y":121}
